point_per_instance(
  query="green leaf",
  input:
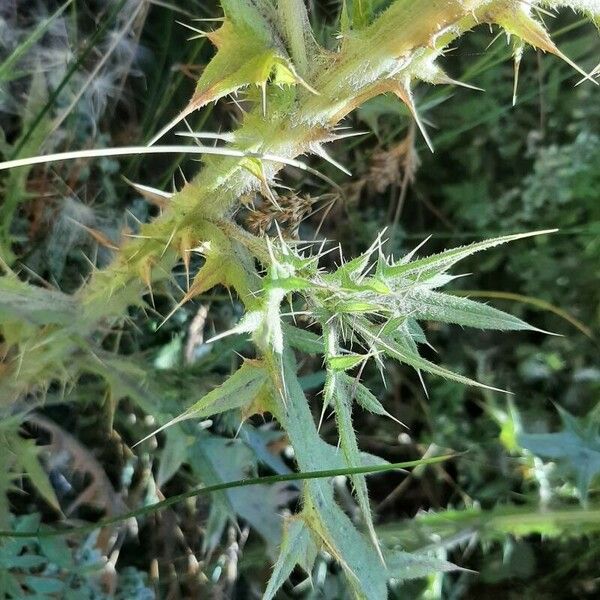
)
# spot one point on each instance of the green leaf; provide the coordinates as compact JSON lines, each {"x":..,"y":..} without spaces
{"x":328,"y":523}
{"x":363,"y":396}
{"x":577,"y":446}
{"x":345,"y":362}
{"x":28,"y":457}
{"x":237,"y":391}
{"x":57,"y":551}
{"x":491,"y":525}
{"x":374,"y":284}
{"x":44,"y":585}
{"x":288,"y":284}
{"x":365,"y":572}
{"x":302,"y":339}
{"x":297,"y":548}
{"x":216,"y":460}
{"x":403,"y":353}
{"x":34,"y":305}
{"x":426,"y":268}
{"x":173,"y":455}
{"x":295,"y":29}
{"x":445,"y":308}
{"x":248,"y":53}
{"x":26,"y":561}
{"x":357,"y":306}
{"x":342,"y":405}
{"x":404,"y":565}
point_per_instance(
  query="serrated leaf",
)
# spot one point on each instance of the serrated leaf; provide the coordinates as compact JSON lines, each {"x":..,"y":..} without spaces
{"x":331,"y":527}
{"x":28,"y":457}
{"x":577,"y":446}
{"x":250,"y":51}
{"x":426,"y":268}
{"x":345,"y":362}
{"x":302,"y":339}
{"x":518,"y":21}
{"x":364,"y":570}
{"x":401,"y":352}
{"x":245,"y":56}
{"x":362,"y":395}
{"x":446,"y":308}
{"x":415,"y":331}
{"x":404,"y":565}
{"x":34,"y":305}
{"x":342,"y":405}
{"x":297,"y":547}
{"x":240,"y":389}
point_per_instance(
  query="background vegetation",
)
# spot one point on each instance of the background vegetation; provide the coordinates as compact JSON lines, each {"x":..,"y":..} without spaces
{"x":518,"y":504}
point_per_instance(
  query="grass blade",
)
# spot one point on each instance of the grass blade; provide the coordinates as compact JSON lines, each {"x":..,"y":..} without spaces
{"x":152,"y":508}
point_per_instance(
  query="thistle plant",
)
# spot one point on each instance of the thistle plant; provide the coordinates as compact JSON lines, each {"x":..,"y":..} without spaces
{"x":297,"y":94}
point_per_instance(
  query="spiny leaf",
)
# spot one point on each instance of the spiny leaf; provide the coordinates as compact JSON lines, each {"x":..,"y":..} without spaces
{"x":492,"y":525}
{"x":577,"y":445}
{"x":353,"y":269}
{"x":345,"y":361}
{"x":297,"y":548}
{"x":517,"y":20}
{"x":364,"y":570}
{"x":426,"y":268}
{"x":295,"y":29}
{"x":249,"y":52}
{"x":342,"y":404}
{"x":27,"y":455}
{"x":401,"y":352}
{"x":404,"y":565}
{"x":302,"y":339}
{"x":435,"y":306}
{"x":355,"y":390}
{"x":537,"y":303}
{"x":240,"y":389}
{"x":34,"y":305}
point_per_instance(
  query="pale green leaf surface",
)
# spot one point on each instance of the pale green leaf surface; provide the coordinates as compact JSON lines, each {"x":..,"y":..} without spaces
{"x":426,"y":268}
{"x":34,"y":305}
{"x":27,"y":455}
{"x":342,"y":404}
{"x":445,"y":308}
{"x":577,"y":446}
{"x":217,"y":460}
{"x":237,"y":391}
{"x":302,"y":339}
{"x":173,"y":455}
{"x":297,"y":548}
